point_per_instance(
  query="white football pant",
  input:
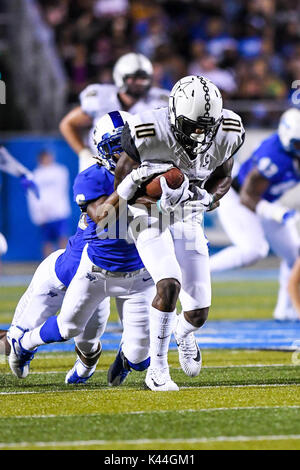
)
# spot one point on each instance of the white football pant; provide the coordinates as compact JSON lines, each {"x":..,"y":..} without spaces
{"x":134,"y":293}
{"x":43,"y":299}
{"x":180,"y":252}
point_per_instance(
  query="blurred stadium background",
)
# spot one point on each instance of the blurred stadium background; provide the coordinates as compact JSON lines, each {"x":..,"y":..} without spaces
{"x":50,"y":50}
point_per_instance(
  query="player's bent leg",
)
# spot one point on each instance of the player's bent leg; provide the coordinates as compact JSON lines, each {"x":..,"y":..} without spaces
{"x":243,"y":228}
{"x":162,"y":320}
{"x":284,"y":241}
{"x":88,"y":347}
{"x":190,"y":357}
{"x":43,"y":297}
{"x":239,"y":255}
{"x":156,"y":250}
{"x":84,"y":366}
{"x":195,"y":296}
{"x":121,"y":367}
{"x":134,"y":351}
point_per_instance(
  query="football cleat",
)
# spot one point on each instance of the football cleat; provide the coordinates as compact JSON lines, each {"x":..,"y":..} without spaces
{"x":84,"y":366}
{"x":289,"y":314}
{"x":189,"y":355}
{"x":19,"y":358}
{"x":73,"y":376}
{"x":118,"y":371}
{"x":159,"y":380}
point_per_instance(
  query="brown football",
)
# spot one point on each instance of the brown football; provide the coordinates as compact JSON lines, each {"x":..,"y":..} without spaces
{"x":174,"y":178}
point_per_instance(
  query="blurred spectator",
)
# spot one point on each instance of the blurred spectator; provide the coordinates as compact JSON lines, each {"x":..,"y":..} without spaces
{"x":52,"y":211}
{"x":110,"y":7}
{"x":230,"y":42}
{"x":207,"y":66}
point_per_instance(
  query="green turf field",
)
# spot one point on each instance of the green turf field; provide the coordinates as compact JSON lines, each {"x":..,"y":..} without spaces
{"x":241,"y":400}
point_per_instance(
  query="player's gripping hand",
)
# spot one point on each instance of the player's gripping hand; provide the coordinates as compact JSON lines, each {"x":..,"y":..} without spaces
{"x":130,"y":184}
{"x":29,"y":185}
{"x":201,"y":200}
{"x":172,"y":198}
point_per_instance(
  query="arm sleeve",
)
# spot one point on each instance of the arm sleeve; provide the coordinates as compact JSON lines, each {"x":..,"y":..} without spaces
{"x":128,"y":144}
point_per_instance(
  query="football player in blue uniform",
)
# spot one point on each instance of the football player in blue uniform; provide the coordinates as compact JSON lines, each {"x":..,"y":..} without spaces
{"x":108,"y":267}
{"x":252,"y":215}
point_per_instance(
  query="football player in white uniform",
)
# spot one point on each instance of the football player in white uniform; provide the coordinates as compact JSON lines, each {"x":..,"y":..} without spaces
{"x":198,"y":136}
{"x":132,"y":92}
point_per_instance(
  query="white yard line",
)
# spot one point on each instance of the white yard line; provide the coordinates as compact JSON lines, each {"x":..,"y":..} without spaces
{"x":175,"y":368}
{"x":152,"y":441}
{"x":119,"y":389}
{"x":200,"y":410}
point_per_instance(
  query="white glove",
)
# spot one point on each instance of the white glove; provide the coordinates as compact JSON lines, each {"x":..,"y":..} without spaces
{"x":130,"y":184}
{"x":272,"y":211}
{"x":86,"y":159}
{"x":202,"y":200}
{"x":172,"y":198}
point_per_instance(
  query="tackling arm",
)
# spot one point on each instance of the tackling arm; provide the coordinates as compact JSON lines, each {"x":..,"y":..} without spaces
{"x":124,"y":166}
{"x":106,"y":209}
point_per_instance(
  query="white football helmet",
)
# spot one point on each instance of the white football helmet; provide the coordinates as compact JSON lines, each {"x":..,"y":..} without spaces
{"x":107,"y":138}
{"x":133,"y":65}
{"x":195,"y":103}
{"x":289,"y":131}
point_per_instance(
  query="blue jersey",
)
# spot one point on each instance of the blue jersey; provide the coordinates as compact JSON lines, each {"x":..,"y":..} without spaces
{"x":68,"y":262}
{"x":274,"y":164}
{"x":108,"y":252}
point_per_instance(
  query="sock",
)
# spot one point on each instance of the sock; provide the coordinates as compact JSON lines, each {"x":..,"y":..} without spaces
{"x":161,"y":328}
{"x":143,"y":365}
{"x":47,"y":333}
{"x":183,"y":327}
{"x":83,"y":370}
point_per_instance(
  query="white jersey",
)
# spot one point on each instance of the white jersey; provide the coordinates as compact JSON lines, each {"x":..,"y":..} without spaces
{"x":97,"y":100}
{"x":151,"y":139}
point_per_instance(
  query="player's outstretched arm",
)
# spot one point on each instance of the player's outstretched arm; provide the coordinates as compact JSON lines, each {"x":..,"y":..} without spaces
{"x":294,"y":286}
{"x":71,"y":126}
{"x":253,"y":189}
